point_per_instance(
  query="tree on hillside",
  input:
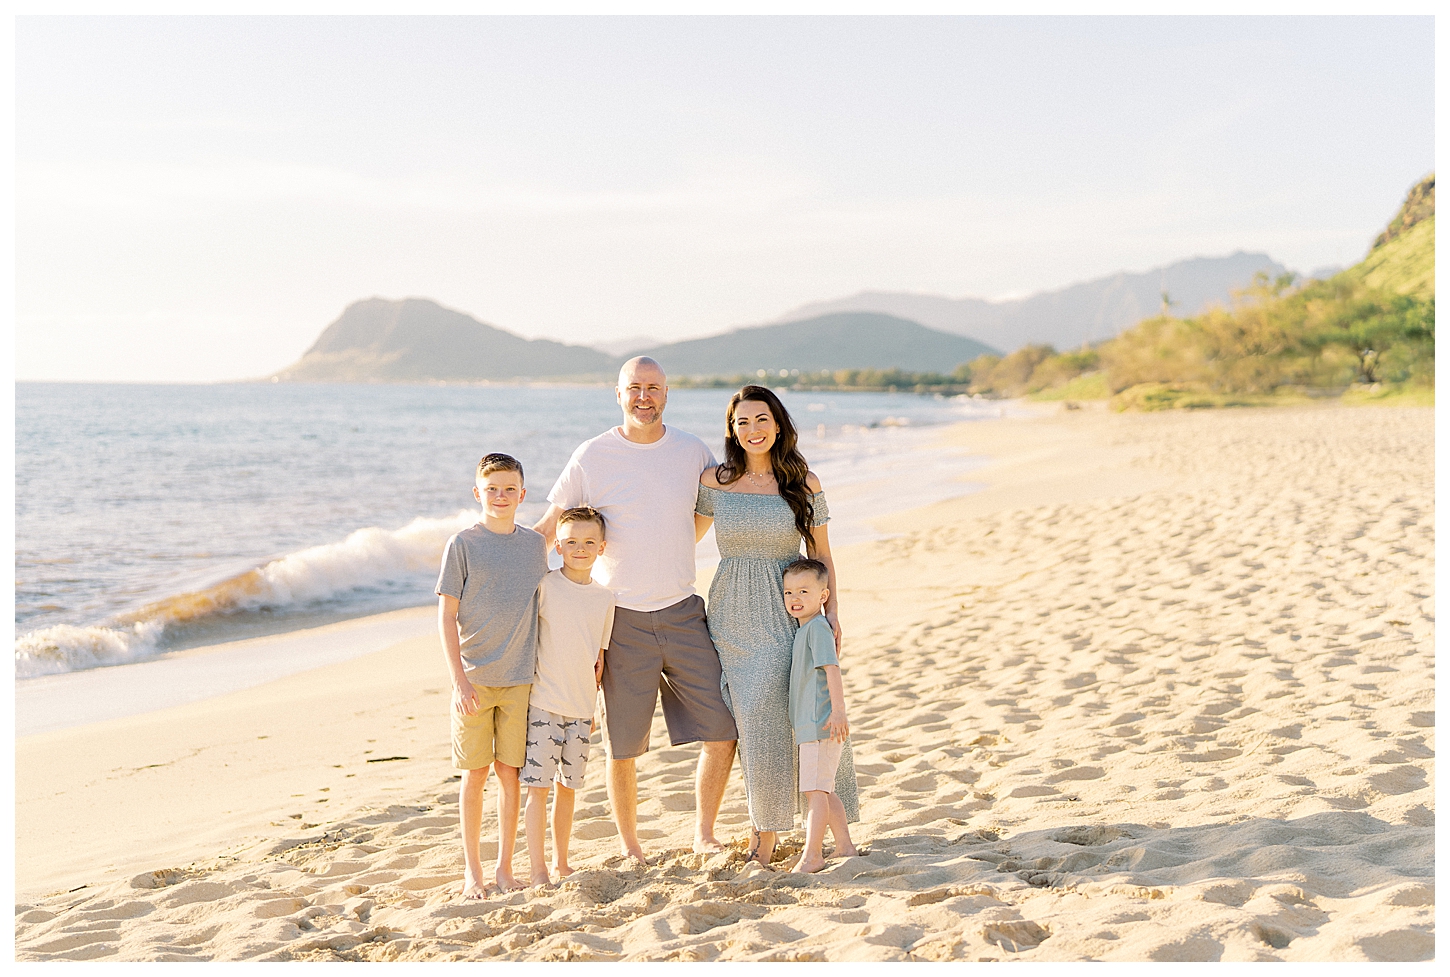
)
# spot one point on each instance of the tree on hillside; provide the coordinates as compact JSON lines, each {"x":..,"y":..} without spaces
{"x":1387,"y":334}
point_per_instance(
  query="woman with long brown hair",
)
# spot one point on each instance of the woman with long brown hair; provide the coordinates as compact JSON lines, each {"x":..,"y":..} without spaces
{"x":764,"y":502}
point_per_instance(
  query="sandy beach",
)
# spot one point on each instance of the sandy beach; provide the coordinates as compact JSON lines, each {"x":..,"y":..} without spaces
{"x":1163,"y":689}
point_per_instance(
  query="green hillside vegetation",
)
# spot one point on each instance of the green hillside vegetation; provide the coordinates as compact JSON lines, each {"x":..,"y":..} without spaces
{"x":892,"y":379}
{"x":1405,"y":265}
{"x":1367,"y":333}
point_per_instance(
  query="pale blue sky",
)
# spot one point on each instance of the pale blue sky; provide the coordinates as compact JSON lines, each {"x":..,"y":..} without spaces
{"x":198,"y":197}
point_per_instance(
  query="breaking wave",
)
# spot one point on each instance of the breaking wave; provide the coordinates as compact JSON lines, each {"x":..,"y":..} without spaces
{"x":367,"y":562}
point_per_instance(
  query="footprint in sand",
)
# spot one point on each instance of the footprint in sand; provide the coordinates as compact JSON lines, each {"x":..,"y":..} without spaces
{"x":1015,"y":935}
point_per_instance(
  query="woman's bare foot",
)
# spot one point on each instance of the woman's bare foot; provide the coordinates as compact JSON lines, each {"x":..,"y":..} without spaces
{"x":762,"y":847}
{"x":809,"y":862}
{"x":506,"y":880}
{"x":563,"y":870}
{"x":845,"y":852}
{"x":540,"y":878}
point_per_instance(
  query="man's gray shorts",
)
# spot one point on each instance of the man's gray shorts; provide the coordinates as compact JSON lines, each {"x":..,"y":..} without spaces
{"x":666,"y":653}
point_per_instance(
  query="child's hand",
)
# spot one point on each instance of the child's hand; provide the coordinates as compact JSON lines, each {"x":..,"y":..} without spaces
{"x":837,"y":726}
{"x":465,"y":700}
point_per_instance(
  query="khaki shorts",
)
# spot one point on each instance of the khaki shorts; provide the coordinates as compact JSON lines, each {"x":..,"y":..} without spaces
{"x":819,"y":760}
{"x":495,"y":732}
{"x":665,"y":654}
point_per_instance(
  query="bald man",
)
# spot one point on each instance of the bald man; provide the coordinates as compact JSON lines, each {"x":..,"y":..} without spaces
{"x":643,"y":477}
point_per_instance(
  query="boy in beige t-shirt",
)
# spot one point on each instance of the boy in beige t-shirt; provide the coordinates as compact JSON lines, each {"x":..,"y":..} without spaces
{"x":576,"y":616}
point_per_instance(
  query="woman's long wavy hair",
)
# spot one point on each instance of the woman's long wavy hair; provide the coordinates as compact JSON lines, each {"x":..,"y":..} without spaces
{"x":785,"y":458}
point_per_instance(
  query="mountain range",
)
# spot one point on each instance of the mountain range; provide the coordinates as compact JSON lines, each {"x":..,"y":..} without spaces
{"x":1070,"y":316}
{"x":416,"y":339}
{"x":836,"y":341}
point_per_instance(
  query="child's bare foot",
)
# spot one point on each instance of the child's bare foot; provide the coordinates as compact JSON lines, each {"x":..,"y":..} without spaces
{"x":809,"y":862}
{"x":474,"y":887}
{"x":506,"y":881}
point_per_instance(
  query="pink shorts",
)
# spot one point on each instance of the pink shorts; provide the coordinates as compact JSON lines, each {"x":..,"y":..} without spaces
{"x":819,"y":759}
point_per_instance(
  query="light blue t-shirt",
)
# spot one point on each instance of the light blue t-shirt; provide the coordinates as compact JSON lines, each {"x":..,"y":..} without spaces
{"x":810,"y":697}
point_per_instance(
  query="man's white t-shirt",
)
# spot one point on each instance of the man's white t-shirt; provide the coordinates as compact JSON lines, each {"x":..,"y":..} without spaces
{"x":575,"y":622}
{"x":646,"y":493}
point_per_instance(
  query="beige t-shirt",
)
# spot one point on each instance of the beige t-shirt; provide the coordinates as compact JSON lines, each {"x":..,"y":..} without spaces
{"x":575,"y":621}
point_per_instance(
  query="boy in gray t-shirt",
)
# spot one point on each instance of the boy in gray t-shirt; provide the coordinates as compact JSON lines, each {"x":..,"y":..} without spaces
{"x":488,"y":614}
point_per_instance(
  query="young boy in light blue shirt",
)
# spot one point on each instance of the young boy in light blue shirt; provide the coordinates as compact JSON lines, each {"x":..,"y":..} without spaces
{"x":817,"y":711}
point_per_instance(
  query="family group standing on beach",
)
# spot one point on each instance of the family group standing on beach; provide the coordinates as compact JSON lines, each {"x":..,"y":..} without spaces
{"x":527,"y":648}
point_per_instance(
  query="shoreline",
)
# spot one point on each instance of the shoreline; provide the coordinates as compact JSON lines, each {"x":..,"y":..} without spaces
{"x":47,"y":703}
{"x":1086,"y":701}
{"x":905,"y":468}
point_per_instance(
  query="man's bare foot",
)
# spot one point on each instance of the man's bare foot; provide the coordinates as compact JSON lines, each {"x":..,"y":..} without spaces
{"x":562,"y":870}
{"x":540,"y":878}
{"x":809,"y":862}
{"x":506,"y":881}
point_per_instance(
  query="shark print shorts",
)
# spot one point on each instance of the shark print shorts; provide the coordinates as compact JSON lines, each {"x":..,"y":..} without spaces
{"x":556,"y":748}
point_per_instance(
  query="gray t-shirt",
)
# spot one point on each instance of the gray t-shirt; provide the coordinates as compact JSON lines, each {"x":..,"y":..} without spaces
{"x":496,"y":580}
{"x":810,"y":696}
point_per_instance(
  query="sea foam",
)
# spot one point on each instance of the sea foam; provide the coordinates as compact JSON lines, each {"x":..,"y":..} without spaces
{"x":367,"y":561}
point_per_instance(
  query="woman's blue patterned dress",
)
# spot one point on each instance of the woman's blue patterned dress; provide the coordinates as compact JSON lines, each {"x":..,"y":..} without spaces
{"x":753,"y":633}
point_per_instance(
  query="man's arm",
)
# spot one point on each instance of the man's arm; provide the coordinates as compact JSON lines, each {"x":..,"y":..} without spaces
{"x":464,"y":698}
{"x":548,"y":526}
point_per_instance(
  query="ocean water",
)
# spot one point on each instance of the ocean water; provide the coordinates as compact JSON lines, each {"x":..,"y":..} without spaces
{"x":152,"y":518}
